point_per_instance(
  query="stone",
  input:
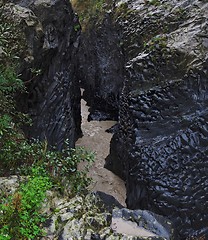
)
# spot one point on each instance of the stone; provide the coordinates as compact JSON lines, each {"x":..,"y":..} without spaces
{"x":92,"y":219}
{"x":8,"y":185}
{"x":48,"y":69}
{"x":160,"y":145}
{"x":138,"y":223}
{"x":100,"y":61}
{"x":85,"y":217}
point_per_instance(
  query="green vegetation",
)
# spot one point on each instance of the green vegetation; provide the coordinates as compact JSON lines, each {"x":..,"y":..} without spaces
{"x":153,"y":2}
{"x":12,"y":41}
{"x":123,"y":11}
{"x":20,"y":216}
{"x":158,"y":48}
{"x":77,"y":28}
{"x":87,"y":10}
{"x":47,"y":169}
{"x":157,"y":42}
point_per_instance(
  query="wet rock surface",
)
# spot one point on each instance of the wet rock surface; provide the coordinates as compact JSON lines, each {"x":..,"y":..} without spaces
{"x":48,"y":69}
{"x":160,"y":144}
{"x":160,"y":147}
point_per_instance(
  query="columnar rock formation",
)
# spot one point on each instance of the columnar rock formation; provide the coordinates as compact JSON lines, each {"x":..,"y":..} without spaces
{"x":160,"y":147}
{"x":48,"y":69}
{"x":101,"y":63}
{"x":149,"y":61}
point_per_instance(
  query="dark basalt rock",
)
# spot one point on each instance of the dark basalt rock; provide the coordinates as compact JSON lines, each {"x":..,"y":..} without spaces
{"x":100,"y":71}
{"x":53,"y":99}
{"x":161,"y":145}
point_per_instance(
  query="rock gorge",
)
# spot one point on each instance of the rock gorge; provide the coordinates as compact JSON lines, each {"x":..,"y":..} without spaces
{"x":144,"y":63}
{"x":160,"y":144}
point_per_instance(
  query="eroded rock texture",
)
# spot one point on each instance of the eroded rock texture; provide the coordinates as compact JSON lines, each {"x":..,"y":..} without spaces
{"x":101,"y":64}
{"x":91,"y":216}
{"x":160,"y":147}
{"x":48,"y":69}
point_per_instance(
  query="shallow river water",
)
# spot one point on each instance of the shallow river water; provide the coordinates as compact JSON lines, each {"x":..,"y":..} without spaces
{"x":97,"y":140}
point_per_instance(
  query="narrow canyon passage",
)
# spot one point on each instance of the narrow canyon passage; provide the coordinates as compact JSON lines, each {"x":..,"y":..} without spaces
{"x":97,"y":140}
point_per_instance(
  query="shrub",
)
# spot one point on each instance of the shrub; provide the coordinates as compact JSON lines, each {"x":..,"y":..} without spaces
{"x":20,"y":214}
{"x":87,"y":10}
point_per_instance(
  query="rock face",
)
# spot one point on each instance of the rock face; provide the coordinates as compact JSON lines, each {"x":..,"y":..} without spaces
{"x":48,"y":69}
{"x":141,"y":223}
{"x":91,"y":216}
{"x":161,"y":145}
{"x":101,"y":64}
{"x":98,"y":216}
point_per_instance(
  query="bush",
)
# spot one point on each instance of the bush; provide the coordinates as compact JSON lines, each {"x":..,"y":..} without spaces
{"x":87,"y":10}
{"x":20,"y":214}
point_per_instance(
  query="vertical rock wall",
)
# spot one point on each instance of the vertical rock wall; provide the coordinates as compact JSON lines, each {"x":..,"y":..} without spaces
{"x":160,"y":147}
{"x":101,"y":64}
{"x":48,"y":69}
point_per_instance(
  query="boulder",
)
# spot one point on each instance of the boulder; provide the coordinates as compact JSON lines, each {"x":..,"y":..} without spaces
{"x":141,"y":224}
{"x":96,"y":215}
